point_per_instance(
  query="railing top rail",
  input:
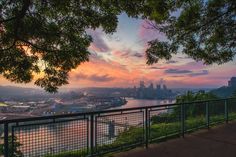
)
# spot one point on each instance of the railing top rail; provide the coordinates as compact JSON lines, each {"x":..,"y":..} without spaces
{"x":103,"y":111}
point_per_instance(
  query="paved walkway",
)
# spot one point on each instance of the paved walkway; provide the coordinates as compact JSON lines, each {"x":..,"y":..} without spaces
{"x":219,"y":141}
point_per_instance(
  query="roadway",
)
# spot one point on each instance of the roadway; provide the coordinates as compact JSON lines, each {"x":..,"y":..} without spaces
{"x":219,"y":141}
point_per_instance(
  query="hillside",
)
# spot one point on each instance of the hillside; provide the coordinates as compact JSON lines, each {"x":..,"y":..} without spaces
{"x":224,"y":91}
{"x":11,"y":90}
{"x":15,"y":93}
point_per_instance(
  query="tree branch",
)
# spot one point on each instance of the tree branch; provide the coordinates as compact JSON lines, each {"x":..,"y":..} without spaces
{"x":39,"y":48}
{"x":10,"y":47}
{"x":154,"y":26}
{"x":7,"y":20}
{"x":207,"y":23}
{"x":21,"y":15}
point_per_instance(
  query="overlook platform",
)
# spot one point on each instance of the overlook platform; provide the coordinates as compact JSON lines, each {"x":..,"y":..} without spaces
{"x":218,"y":141}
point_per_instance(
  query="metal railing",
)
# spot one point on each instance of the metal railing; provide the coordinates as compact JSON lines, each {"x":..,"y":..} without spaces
{"x":100,"y":132}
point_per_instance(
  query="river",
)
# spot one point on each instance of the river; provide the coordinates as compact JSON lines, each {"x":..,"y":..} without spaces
{"x":131,"y":102}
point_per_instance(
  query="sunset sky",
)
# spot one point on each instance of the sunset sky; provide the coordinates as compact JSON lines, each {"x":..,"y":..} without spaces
{"x":118,"y":60}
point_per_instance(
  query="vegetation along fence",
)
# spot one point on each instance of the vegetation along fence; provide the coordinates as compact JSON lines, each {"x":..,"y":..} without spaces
{"x":96,"y":133}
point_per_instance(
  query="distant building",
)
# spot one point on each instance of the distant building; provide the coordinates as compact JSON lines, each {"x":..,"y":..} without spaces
{"x":149,"y":92}
{"x":142,"y":85}
{"x":158,"y":87}
{"x":232,"y":82}
{"x":164,"y":87}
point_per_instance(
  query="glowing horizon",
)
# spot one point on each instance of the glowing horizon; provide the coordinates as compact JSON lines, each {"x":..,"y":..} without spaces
{"x":118,"y":60}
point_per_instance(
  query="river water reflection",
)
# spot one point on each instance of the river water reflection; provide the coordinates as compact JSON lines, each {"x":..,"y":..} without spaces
{"x":141,"y":103}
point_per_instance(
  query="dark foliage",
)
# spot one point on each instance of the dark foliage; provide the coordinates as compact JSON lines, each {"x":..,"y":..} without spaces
{"x":203,"y":30}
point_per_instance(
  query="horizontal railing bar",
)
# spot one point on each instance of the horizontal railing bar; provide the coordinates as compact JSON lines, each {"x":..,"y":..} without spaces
{"x":116,"y":114}
{"x":161,"y":109}
{"x":47,"y":123}
{"x":103,"y":111}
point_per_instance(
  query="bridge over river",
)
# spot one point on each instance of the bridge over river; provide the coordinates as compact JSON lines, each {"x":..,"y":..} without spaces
{"x":218,"y":141}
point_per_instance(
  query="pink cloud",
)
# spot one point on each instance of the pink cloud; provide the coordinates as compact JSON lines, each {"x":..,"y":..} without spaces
{"x":127,"y":53}
{"x":103,"y":73}
{"x":118,"y":53}
{"x":147,"y":33}
{"x":189,"y":66}
{"x":98,"y":44}
{"x":195,"y":65}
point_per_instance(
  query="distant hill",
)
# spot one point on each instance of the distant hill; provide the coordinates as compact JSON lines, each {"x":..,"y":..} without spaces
{"x":224,"y":91}
{"x":13,"y":93}
{"x":184,"y":90}
{"x":12,"y":90}
{"x":18,"y":93}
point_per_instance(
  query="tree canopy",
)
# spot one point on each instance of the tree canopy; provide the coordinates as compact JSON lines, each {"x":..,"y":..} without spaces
{"x":49,"y":38}
{"x":198,"y":96}
{"x":204,"y":30}
{"x":194,"y":109}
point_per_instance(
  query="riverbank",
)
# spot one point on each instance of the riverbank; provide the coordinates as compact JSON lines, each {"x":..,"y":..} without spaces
{"x":132,"y":102}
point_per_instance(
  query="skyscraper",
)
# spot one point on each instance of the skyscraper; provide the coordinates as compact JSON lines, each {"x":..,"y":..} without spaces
{"x":150,"y":92}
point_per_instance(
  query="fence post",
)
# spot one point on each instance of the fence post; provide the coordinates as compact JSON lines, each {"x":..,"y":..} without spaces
{"x":6,"y":149}
{"x":146,"y":127}
{"x":207,"y":115}
{"x":182,"y":119}
{"x":91,"y":134}
{"x":226,"y":112}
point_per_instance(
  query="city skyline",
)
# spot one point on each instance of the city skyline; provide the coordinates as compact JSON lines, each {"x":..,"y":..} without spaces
{"x":118,"y":60}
